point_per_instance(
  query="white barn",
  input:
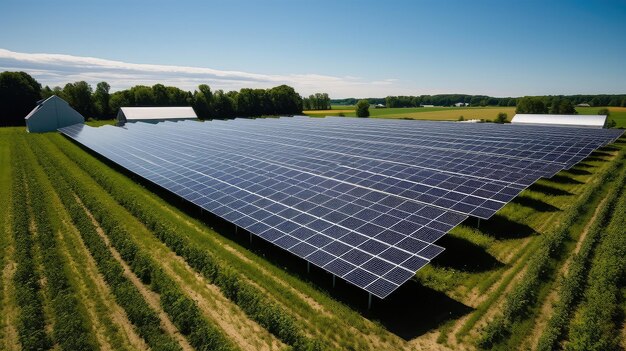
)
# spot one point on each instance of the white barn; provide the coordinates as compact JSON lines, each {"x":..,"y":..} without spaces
{"x":586,"y":121}
{"x":51,"y":114}
{"x":154,"y":114}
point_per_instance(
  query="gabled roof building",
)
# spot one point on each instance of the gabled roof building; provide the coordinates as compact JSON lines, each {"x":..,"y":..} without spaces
{"x":154,"y":114}
{"x":51,"y":114}
{"x":587,"y":121}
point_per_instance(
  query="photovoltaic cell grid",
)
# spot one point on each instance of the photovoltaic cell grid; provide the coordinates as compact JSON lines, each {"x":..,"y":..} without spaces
{"x":364,"y":200}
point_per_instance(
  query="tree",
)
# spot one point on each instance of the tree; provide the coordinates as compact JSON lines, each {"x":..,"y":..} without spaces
{"x":502,"y":118}
{"x":142,"y":95}
{"x":604,"y":112}
{"x":566,"y":107}
{"x":223,"y":105}
{"x":78,"y":95}
{"x":19,"y":93}
{"x":285,"y":100}
{"x":102,"y":99}
{"x":529,"y":104}
{"x":362,"y":108}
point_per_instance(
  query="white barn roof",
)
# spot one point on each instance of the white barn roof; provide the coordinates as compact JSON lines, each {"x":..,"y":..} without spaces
{"x":129,"y":114}
{"x":589,"y":121}
{"x":51,"y":114}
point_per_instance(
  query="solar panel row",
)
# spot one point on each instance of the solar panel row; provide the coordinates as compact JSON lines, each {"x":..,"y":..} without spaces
{"x":364,"y":200}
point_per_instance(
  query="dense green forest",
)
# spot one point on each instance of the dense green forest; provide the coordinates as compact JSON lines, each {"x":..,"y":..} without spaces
{"x":19,"y":93}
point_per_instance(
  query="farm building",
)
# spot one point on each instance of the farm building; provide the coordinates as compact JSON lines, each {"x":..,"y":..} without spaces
{"x":154,"y":114}
{"x":461,"y":104}
{"x":588,"y":121}
{"x":51,"y":114}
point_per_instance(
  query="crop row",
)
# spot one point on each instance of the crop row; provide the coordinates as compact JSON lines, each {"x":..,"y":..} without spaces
{"x":249,"y":298}
{"x":183,"y":311}
{"x":572,"y":285}
{"x":524,"y":295}
{"x":31,"y":321}
{"x":70,"y":329}
{"x":126,"y":294}
{"x":598,"y":324}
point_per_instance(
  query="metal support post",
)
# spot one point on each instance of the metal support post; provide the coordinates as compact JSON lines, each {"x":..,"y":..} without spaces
{"x":369,"y":301}
{"x":333,"y":281}
{"x":308,"y":267}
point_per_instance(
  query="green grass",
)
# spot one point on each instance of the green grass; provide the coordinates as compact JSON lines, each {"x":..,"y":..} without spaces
{"x":618,"y":114}
{"x":5,"y":218}
{"x":100,"y":122}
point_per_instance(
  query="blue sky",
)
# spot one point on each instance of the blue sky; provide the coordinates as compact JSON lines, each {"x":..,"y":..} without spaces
{"x":345,"y":48}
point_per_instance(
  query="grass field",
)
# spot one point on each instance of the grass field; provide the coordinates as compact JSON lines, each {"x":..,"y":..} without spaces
{"x":618,"y":114}
{"x":429,"y":113}
{"x":144,"y":272}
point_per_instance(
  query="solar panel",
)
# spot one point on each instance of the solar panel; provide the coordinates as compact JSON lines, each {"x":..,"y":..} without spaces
{"x":364,"y":200}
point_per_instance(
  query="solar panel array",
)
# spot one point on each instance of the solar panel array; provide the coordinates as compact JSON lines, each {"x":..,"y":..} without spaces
{"x":364,"y":199}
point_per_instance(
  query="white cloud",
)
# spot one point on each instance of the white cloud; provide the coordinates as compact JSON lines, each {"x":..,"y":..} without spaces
{"x":58,"y":69}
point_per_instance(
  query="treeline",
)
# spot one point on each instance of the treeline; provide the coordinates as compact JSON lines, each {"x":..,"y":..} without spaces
{"x":19,"y":93}
{"x":483,"y":100}
{"x":553,"y":105}
{"x":318,"y":101}
{"x":353,"y":101}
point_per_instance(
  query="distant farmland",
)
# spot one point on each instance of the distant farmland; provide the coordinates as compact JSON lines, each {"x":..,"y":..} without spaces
{"x":453,"y":113}
{"x":429,"y":113}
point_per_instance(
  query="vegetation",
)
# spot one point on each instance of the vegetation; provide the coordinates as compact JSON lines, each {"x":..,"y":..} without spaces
{"x":362,"y":108}
{"x":524,"y":295}
{"x":501,"y":118}
{"x":249,"y":298}
{"x":27,"y":280}
{"x":573,"y":284}
{"x":69,"y":329}
{"x":18,"y":94}
{"x":319,"y":101}
{"x":598,"y":322}
{"x":483,"y":100}
{"x":531,"y":105}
